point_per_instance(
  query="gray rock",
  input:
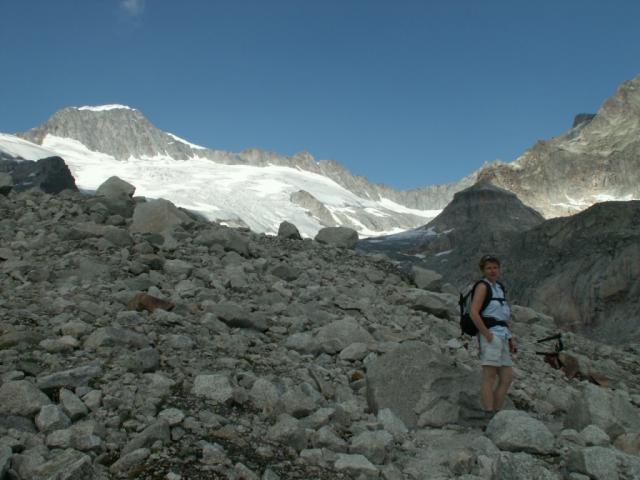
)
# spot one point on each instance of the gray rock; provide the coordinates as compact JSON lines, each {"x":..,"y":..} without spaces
{"x":51,"y":175}
{"x":178,"y":267}
{"x":373,"y":445}
{"x":236,"y":316}
{"x":391,"y":423}
{"x":325,"y":437}
{"x":157,"y":216}
{"x":628,"y":443}
{"x":172,"y":416}
{"x":432,"y":302}
{"x":517,"y":431}
{"x":21,"y":398}
{"x":610,"y":410}
{"x":67,"y":465}
{"x":523,"y":467}
{"x":304,"y":342}
{"x":342,"y":237}
{"x":16,"y":422}
{"x":288,"y":230}
{"x":51,"y":418}
{"x":143,"y":360}
{"x":93,"y":399}
{"x":264,"y":395}
{"x":595,"y":436}
{"x":420,"y":387}
{"x":426,"y":279}
{"x":71,"y":378}
{"x":214,"y":454}
{"x":598,"y":463}
{"x":355,"y":465}
{"x":227,"y":238}
{"x":118,"y":236}
{"x":354,"y":352}
{"x":115,"y":337}
{"x":296,"y":403}
{"x":129,"y":462}
{"x":288,"y":431}
{"x":157,"y":431}
{"x":286,"y":272}
{"x":115,"y":187}
{"x":216,"y":388}
{"x":340,"y":334}
{"x":5,"y":460}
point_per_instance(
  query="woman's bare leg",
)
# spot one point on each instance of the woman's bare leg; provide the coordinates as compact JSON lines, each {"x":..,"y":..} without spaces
{"x":486,"y":389}
{"x":505,"y":376}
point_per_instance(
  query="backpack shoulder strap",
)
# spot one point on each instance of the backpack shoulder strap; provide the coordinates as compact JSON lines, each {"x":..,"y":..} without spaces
{"x":487,"y":297}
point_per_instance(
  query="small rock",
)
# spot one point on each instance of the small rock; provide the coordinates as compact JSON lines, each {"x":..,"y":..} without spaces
{"x":213,"y":387}
{"x":129,"y":462}
{"x":51,"y":418}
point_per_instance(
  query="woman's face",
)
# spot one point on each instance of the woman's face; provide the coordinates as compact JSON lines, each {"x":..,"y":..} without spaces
{"x":491,"y":270}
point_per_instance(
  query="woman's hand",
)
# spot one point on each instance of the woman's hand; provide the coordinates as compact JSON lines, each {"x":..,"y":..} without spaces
{"x":513,"y":345}
{"x":488,"y":336}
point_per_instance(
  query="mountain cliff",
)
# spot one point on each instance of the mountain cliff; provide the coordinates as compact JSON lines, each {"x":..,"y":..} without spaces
{"x":596,"y":160}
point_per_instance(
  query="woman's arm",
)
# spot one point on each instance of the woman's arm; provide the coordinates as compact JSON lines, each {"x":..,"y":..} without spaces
{"x":478,"y":299}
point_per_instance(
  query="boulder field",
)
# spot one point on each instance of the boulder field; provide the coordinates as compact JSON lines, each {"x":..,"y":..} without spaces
{"x":139,"y":341}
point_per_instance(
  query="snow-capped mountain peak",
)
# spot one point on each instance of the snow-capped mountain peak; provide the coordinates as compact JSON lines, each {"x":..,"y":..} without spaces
{"x":255,"y":188}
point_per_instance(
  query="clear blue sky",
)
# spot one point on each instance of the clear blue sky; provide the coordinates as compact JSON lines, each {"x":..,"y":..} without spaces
{"x":406,"y":93}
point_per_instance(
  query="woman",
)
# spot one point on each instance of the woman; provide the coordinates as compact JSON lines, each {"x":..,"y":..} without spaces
{"x":497,"y":343}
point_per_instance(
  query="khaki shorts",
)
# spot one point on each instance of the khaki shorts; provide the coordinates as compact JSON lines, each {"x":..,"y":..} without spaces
{"x":496,"y":353}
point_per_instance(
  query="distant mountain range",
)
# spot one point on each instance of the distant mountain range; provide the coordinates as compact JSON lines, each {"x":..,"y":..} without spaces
{"x":597,"y":159}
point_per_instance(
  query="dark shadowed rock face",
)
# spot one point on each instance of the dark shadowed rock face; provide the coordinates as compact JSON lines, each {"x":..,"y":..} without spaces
{"x":480,"y":219}
{"x":583,"y":118}
{"x":584,"y":270}
{"x":51,"y":174}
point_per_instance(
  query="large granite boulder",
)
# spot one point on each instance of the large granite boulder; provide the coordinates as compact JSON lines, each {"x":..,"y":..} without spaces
{"x":418,"y":385}
{"x":157,"y":216}
{"x":114,"y":187}
{"x":342,"y":237}
{"x":517,"y":431}
{"x":612,"y":411}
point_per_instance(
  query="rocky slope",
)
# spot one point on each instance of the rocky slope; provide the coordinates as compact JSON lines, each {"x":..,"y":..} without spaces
{"x":140,"y":341}
{"x":598,"y":159}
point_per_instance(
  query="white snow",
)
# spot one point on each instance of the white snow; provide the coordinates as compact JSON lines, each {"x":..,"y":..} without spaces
{"x":257,"y":195}
{"x":603,"y":197}
{"x":104,"y":108}
{"x":23,"y":149}
{"x":182,"y":140}
{"x":396,"y":207}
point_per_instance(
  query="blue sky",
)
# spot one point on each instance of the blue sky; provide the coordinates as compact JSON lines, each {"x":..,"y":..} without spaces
{"x":406,"y":93}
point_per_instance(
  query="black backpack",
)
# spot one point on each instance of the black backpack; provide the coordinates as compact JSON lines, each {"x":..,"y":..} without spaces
{"x":466,"y":324}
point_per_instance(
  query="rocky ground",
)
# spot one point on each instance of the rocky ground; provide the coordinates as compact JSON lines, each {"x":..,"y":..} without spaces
{"x":137,"y":341}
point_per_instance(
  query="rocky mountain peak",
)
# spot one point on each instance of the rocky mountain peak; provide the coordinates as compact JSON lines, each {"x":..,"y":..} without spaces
{"x":480,"y":219}
{"x":116,"y":130}
{"x":598,"y":159}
